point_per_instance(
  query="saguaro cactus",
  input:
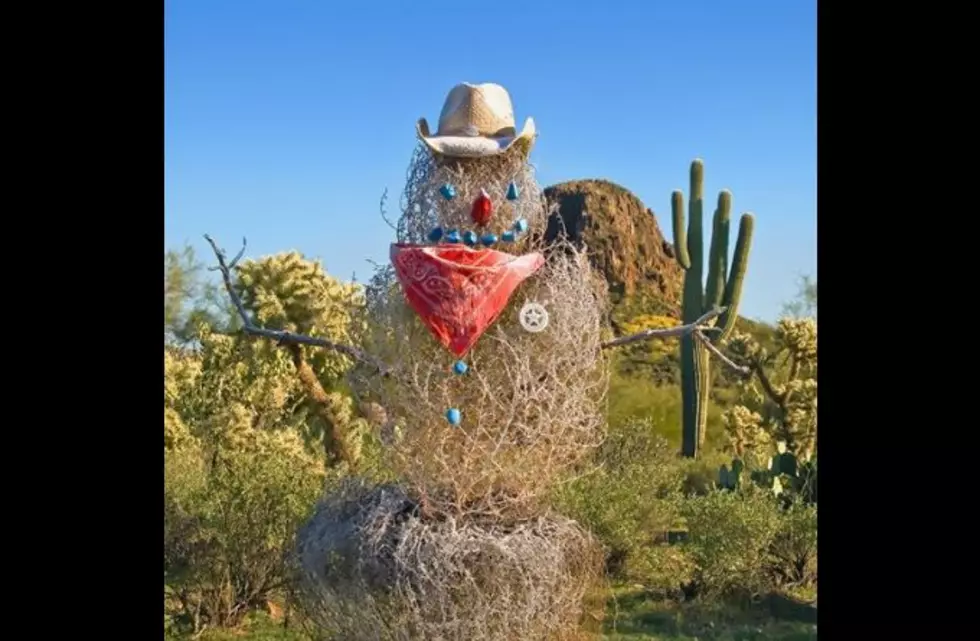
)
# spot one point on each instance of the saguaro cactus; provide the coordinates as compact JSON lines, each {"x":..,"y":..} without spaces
{"x":723,"y":288}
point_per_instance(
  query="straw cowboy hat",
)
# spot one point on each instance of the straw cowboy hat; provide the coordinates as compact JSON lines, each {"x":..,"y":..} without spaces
{"x":476,"y":121}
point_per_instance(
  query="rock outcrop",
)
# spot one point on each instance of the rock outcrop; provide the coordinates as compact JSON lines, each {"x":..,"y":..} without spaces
{"x":624,"y":240}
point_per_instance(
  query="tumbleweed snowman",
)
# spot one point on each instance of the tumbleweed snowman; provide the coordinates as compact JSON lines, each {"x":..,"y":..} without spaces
{"x":493,"y":384}
{"x":483,"y":345}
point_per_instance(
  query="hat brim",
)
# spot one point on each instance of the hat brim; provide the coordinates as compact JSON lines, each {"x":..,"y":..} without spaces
{"x":475,"y":146}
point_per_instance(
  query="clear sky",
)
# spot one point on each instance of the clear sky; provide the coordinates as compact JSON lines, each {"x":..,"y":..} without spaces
{"x":286,"y":119}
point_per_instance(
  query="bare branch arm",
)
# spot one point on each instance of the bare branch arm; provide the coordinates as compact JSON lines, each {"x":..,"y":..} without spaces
{"x":669,"y":332}
{"x":704,"y":340}
{"x":384,"y":214}
{"x":696,"y":328}
{"x":282,"y":337}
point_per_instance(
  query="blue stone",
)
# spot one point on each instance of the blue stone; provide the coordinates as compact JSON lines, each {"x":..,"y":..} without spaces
{"x":488,"y":239}
{"x":520,"y":225}
{"x":435,"y":234}
{"x":452,"y":236}
{"x":508,"y":237}
{"x":460,"y":367}
{"x":470,"y":238}
{"x":454,"y":416}
{"x":512,"y":191}
{"x":448,"y":191}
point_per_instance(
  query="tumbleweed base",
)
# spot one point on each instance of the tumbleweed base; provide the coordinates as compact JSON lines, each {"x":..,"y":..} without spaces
{"x":374,"y":568}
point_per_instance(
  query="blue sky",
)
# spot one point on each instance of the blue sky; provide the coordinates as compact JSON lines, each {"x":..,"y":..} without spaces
{"x":285,"y":120}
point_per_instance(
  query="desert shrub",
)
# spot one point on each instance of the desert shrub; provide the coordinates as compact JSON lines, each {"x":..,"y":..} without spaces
{"x":230,"y":513}
{"x":701,"y":474}
{"x":189,"y":300}
{"x":663,"y":570}
{"x":731,"y":534}
{"x":629,"y":501}
{"x":738,"y":542}
{"x":805,"y":303}
{"x":246,"y":438}
{"x":793,"y":562}
{"x":239,"y":476}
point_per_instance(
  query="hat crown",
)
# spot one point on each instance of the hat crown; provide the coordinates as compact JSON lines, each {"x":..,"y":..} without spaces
{"x":477,"y":110}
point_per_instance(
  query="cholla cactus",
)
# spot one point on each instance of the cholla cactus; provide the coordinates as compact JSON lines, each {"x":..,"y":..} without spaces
{"x":745,"y":431}
{"x":288,"y":292}
{"x":777,"y":412}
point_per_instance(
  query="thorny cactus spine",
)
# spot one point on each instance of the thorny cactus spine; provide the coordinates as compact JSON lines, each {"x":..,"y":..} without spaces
{"x":723,"y":288}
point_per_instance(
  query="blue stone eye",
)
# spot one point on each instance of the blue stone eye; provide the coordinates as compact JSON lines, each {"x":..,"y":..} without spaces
{"x":470,"y":238}
{"x":488,"y":239}
{"x":435,"y":234}
{"x":508,"y":237}
{"x":520,"y":225}
{"x":460,"y":367}
{"x":512,"y":191}
{"x":454,"y":416}
{"x":452,"y":236}
{"x":448,"y":191}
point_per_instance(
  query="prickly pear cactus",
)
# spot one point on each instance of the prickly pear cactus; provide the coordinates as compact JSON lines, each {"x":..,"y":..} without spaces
{"x":723,"y":288}
{"x":785,"y":476}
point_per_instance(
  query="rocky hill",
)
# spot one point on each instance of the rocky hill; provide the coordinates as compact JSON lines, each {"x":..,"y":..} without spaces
{"x":624,"y":241}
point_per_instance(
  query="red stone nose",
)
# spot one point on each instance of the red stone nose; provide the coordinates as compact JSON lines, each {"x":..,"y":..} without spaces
{"x":482,"y":209}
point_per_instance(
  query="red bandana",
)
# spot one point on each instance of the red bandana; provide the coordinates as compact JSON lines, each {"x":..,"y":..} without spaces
{"x":459,"y":292}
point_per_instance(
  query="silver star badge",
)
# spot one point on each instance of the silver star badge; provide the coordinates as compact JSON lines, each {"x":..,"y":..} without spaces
{"x":534,"y":317}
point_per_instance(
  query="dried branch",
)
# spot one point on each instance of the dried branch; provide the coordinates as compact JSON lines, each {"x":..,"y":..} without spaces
{"x":384,"y":213}
{"x":704,"y":340}
{"x":696,"y":329}
{"x":282,"y":337}
{"x":669,"y":332}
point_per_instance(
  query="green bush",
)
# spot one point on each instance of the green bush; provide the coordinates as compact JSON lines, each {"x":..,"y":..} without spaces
{"x":662,"y":570}
{"x":629,"y":501}
{"x":794,"y":548}
{"x":230,"y":513}
{"x":731,"y":534}
{"x":738,"y":542}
